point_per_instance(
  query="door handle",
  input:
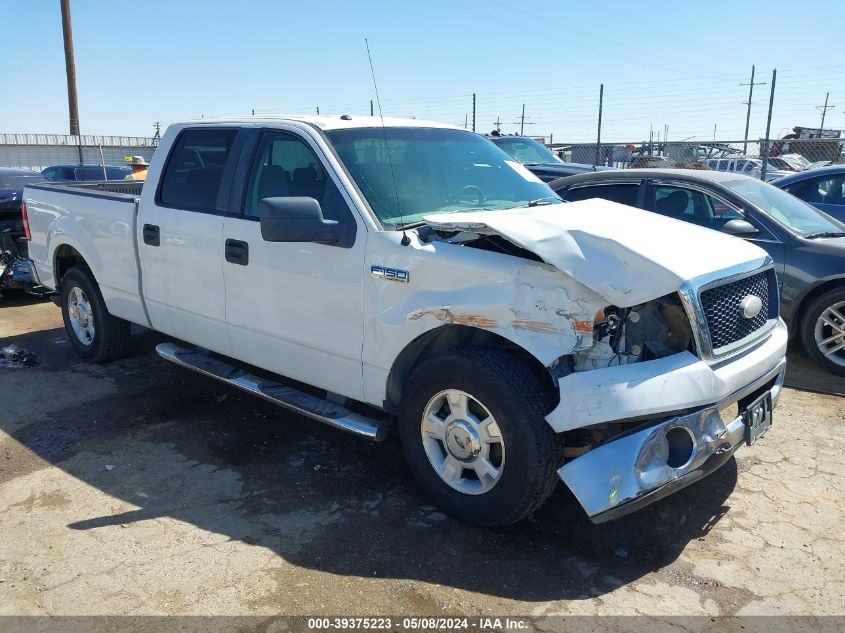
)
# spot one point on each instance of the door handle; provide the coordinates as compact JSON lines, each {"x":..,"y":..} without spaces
{"x":237,"y":252}
{"x":152,"y":236}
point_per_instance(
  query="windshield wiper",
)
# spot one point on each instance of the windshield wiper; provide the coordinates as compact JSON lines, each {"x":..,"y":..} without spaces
{"x":813,"y":236}
{"x":546,"y":200}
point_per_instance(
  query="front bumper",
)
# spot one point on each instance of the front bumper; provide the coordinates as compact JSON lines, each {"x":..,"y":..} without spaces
{"x":629,"y":473}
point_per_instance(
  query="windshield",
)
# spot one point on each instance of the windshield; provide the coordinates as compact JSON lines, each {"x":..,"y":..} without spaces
{"x":435,"y":171}
{"x":526,"y":150}
{"x":785,"y":208}
{"x":17,"y":181}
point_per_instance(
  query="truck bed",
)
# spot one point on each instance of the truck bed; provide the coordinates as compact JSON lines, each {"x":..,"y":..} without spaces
{"x":95,"y":218}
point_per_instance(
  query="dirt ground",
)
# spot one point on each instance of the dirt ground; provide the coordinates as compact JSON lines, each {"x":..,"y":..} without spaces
{"x":139,"y":487}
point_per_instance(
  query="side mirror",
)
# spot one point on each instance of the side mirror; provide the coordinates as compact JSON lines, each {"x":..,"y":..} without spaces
{"x":295,"y":220}
{"x":739,"y":228}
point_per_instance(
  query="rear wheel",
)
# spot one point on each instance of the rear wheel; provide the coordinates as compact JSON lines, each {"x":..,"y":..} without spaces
{"x":474,"y":433}
{"x":823,"y":330}
{"x":95,"y":334}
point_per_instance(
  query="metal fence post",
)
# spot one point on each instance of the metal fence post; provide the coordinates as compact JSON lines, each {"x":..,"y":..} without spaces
{"x":598,"y":138}
{"x":765,"y":156}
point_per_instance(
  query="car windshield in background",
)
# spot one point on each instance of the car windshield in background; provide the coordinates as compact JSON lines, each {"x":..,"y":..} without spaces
{"x":786,"y":208}
{"x":526,"y":150}
{"x":435,"y":171}
{"x":18,"y":181}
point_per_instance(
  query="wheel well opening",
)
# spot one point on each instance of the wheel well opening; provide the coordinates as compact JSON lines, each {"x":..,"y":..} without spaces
{"x":807,"y":300}
{"x":449,"y":337}
{"x":66,"y":258}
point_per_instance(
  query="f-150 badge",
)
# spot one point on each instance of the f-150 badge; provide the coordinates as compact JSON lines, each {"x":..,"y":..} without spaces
{"x":389,"y":274}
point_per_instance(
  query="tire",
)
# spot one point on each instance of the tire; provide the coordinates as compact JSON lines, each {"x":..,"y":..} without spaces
{"x":818,"y":335}
{"x":530,"y":452}
{"x":96,"y":335}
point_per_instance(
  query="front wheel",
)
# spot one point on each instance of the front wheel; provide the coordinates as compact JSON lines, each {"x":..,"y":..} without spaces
{"x":95,"y":334}
{"x":474,"y":434}
{"x":823,"y":330}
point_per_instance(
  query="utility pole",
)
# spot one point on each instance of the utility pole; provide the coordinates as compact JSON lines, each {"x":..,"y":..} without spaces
{"x":371,"y":107}
{"x":498,"y":124}
{"x":70,"y":70}
{"x":824,"y":110}
{"x":318,"y":109}
{"x":522,"y":121}
{"x":473,"y":112}
{"x":750,"y":85}
{"x":465,"y":120}
{"x":598,"y":137}
{"x":157,"y":135}
{"x":768,"y":127}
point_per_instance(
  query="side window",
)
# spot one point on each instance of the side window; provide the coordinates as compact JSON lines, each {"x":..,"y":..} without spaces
{"x":623,"y":194}
{"x":714,"y":212}
{"x":285,"y":166}
{"x":49,"y":173}
{"x":826,"y":191}
{"x":674,"y":202}
{"x":194,"y":169}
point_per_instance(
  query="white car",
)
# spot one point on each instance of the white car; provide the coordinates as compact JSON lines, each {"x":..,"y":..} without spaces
{"x":411,"y":275}
{"x":749,"y":166}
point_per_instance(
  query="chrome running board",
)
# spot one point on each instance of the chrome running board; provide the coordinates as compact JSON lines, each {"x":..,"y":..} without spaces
{"x":313,"y":407}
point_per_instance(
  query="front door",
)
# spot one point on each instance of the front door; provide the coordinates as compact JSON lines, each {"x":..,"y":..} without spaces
{"x":180,"y":241}
{"x":296,"y":309}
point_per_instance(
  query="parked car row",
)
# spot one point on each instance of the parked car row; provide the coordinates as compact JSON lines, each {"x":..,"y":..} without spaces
{"x":777,"y":168}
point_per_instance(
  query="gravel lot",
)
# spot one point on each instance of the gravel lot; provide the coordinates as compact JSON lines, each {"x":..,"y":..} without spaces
{"x":141,"y":488}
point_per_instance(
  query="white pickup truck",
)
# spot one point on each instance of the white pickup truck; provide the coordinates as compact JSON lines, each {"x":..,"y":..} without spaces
{"x":373,"y":274}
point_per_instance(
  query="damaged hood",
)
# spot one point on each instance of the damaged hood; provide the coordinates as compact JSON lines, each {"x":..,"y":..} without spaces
{"x":626,"y":255}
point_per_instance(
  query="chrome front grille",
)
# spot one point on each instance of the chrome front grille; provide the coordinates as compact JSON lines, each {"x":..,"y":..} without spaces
{"x":714,"y":305}
{"x":721,"y":305}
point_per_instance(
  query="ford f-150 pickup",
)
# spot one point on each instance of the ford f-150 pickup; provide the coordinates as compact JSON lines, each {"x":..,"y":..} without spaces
{"x":402,"y":274}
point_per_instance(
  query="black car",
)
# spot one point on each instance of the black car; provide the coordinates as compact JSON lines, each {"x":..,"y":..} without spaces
{"x":85,"y":173}
{"x":808,"y":246}
{"x":12,"y":238}
{"x":538,"y":158}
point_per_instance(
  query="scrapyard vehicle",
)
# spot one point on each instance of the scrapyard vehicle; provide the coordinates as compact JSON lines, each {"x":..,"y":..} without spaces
{"x":411,"y":273}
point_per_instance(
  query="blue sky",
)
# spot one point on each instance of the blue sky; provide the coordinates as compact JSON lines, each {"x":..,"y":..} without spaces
{"x":663,"y":63}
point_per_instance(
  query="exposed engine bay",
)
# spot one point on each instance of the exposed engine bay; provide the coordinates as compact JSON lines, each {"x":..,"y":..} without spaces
{"x":647,"y":331}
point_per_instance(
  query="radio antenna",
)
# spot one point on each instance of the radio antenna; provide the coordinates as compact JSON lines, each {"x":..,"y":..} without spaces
{"x":405,"y":239}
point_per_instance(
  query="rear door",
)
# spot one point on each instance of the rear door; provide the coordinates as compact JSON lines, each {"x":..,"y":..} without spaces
{"x":180,"y":239}
{"x":295,"y":309}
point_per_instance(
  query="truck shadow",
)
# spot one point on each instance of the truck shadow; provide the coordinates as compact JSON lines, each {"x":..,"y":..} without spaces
{"x":179,"y":445}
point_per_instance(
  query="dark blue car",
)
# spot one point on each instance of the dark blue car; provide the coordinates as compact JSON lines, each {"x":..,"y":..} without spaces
{"x":824,"y":188}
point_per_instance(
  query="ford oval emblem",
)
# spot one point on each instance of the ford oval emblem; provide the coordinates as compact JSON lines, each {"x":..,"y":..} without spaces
{"x":750,"y":306}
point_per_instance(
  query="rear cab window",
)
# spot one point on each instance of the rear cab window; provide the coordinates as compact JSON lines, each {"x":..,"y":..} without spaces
{"x":194,"y":170}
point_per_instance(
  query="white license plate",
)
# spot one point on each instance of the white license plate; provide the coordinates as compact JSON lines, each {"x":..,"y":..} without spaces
{"x":758,"y":418}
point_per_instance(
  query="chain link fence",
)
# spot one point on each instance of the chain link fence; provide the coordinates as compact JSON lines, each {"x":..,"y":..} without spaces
{"x":781,"y":156}
{"x":37,"y":151}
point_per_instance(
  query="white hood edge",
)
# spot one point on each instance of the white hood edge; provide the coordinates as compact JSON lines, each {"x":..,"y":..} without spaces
{"x":626,"y":255}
